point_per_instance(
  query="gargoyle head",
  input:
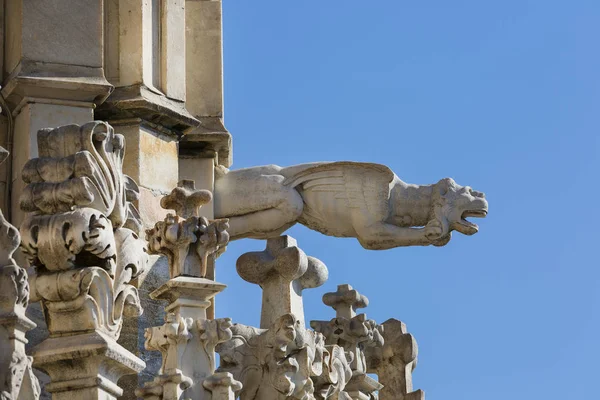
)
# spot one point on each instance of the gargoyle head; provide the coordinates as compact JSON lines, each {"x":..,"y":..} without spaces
{"x":453,"y":204}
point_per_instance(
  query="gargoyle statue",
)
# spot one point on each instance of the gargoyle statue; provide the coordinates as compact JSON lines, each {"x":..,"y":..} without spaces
{"x":345,"y":199}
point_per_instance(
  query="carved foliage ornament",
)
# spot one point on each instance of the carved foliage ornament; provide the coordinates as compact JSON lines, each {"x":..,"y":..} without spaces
{"x":186,"y":239}
{"x":276,"y":363}
{"x":16,"y":376}
{"x":82,"y":229}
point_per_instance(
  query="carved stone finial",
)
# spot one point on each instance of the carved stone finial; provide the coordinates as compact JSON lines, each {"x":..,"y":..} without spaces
{"x":186,"y":200}
{"x":394,"y":362}
{"x":187,"y":243}
{"x":282,"y":270}
{"x":345,"y":301}
{"x":222,"y":385}
{"x":355,"y":333}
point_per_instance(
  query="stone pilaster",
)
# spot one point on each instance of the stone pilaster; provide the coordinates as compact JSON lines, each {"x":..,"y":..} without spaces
{"x":53,"y":73}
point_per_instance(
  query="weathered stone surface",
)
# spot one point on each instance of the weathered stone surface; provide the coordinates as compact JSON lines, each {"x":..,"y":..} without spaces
{"x":222,"y":386}
{"x":188,"y":339}
{"x":345,"y":199}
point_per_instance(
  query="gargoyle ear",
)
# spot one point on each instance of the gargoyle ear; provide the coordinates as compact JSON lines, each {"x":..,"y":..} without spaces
{"x":444,"y":185}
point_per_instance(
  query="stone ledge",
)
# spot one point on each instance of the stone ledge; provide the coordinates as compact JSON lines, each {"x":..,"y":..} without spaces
{"x":207,"y":140}
{"x":138,"y":101}
{"x":55,"y":82}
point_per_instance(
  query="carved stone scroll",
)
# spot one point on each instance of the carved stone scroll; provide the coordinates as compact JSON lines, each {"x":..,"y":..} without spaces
{"x":16,"y":377}
{"x":82,"y":237}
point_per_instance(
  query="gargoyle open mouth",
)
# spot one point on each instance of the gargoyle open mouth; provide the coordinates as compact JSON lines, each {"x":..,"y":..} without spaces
{"x":475,"y":214}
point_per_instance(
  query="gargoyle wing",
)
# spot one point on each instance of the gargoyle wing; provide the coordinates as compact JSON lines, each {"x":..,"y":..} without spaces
{"x":355,"y":185}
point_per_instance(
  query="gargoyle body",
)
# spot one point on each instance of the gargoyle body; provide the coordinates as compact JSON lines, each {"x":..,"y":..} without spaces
{"x":345,"y":199}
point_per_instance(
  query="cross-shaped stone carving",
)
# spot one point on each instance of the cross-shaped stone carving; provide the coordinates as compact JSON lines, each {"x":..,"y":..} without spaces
{"x":282,"y":270}
{"x":345,"y":301}
{"x":186,"y":200}
{"x":354,"y":333}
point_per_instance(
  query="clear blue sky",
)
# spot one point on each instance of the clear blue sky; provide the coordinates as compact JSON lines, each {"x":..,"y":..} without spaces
{"x":503,"y":96}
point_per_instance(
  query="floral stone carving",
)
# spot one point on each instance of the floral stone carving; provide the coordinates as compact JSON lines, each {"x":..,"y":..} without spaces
{"x":81,"y":234}
{"x":345,"y":199}
{"x":187,"y":243}
{"x":354,"y":333}
{"x":188,"y":339}
{"x":82,"y":229}
{"x":274,"y":363}
{"x":16,"y":377}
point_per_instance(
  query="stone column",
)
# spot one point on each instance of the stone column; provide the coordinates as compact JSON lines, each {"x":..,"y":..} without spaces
{"x":16,"y":376}
{"x":146,"y":62}
{"x":207,"y":146}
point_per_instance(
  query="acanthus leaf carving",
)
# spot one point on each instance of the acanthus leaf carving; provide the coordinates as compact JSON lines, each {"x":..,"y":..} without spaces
{"x":78,"y":232}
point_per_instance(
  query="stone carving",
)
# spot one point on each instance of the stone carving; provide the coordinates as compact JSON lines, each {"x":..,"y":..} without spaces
{"x":81,"y":235}
{"x":168,"y":339}
{"x":283,"y":271}
{"x":213,"y":332}
{"x":222,"y":385}
{"x":354,"y":333}
{"x":17,"y":380}
{"x":188,"y":339}
{"x":188,"y":242}
{"x":80,"y":204}
{"x":394,"y":362}
{"x":274,"y":363}
{"x":345,"y":199}
{"x":336,"y":374}
{"x":282,"y":359}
